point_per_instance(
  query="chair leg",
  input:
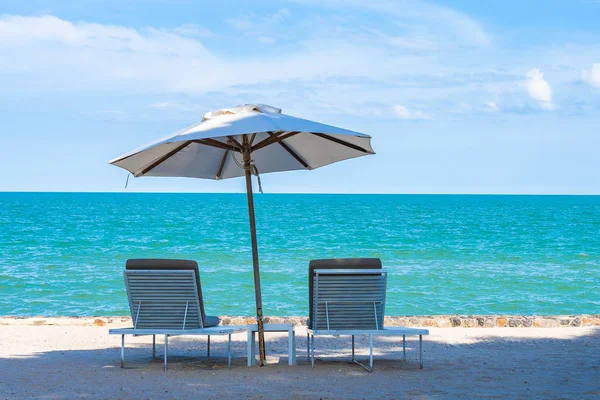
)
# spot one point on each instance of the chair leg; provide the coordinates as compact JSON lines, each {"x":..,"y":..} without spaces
{"x":229,"y":353}
{"x":308,"y":347}
{"x":312,"y":346}
{"x":353,"y":359}
{"x":421,"y":351}
{"x":403,"y":347}
{"x":166,"y":349}
{"x":153,"y":347}
{"x":253,"y":348}
{"x":122,"y":351}
{"x":250,"y":350}
{"x":294,"y":346}
{"x":208,"y":347}
{"x":371,"y":352}
{"x":291,"y":346}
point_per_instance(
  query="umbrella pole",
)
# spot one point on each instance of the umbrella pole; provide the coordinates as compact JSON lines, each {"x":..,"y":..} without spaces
{"x":259,"y":315}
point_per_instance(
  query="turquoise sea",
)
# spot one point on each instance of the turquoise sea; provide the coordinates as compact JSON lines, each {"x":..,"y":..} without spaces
{"x":64,"y":253}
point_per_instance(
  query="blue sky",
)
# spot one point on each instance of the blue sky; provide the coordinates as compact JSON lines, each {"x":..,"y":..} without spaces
{"x":459,"y":96}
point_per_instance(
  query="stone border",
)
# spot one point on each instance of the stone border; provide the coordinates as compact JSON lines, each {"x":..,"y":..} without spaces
{"x":433,"y":321}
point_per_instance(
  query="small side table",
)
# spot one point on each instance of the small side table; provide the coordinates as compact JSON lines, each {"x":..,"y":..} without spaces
{"x":289,"y":328}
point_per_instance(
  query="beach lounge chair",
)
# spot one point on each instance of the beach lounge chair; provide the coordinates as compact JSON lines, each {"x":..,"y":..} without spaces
{"x":347,"y":297}
{"x":165,"y":298}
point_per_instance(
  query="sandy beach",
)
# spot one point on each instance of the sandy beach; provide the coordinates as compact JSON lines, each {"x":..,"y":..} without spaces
{"x":72,"y":361}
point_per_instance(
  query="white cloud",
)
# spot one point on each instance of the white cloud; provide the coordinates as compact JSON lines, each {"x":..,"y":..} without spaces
{"x":404,"y":113}
{"x":444,"y":22}
{"x":279,"y":16}
{"x":47,"y":31}
{"x":412,"y":43}
{"x":55,"y":54}
{"x":171,"y":106}
{"x":243,"y":22}
{"x":263,"y":28}
{"x":318,"y":68}
{"x":266,"y":39}
{"x":592,"y":76}
{"x":462,"y":108}
{"x":253,"y":24}
{"x":193,"y":30}
{"x":539,"y":89}
{"x":492,"y":106}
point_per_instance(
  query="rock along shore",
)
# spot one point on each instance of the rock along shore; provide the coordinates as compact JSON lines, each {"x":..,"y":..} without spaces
{"x":434,"y":321}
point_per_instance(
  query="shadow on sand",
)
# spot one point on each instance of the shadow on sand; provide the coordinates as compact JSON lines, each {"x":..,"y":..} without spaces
{"x":474,"y":365}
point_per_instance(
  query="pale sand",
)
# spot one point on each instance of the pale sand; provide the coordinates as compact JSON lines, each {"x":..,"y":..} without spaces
{"x":83,"y":362}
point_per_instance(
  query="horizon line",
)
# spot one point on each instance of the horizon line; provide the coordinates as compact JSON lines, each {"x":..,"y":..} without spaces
{"x":297,"y":193}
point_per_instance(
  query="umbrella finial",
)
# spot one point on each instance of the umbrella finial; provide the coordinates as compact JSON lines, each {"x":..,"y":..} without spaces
{"x":243,"y":109}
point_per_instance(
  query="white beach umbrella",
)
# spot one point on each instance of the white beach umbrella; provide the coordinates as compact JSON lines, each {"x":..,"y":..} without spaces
{"x":241,"y":141}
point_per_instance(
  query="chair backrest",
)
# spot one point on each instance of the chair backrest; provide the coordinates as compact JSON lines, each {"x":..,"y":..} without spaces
{"x":348,"y":299}
{"x":163,"y":299}
{"x":335,"y":263}
{"x":170,"y":264}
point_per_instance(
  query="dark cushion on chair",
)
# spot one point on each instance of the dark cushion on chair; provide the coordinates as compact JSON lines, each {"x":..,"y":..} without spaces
{"x":336,"y":263}
{"x":211,"y":321}
{"x":173,"y":264}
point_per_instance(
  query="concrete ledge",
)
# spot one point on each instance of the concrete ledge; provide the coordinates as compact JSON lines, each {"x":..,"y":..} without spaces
{"x":434,"y":321}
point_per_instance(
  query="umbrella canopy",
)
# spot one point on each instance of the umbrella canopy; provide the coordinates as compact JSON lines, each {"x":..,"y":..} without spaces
{"x":241,"y":141}
{"x":205,"y":150}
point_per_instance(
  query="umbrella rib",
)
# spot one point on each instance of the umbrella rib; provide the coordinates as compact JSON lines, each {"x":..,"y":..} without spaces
{"x":252,"y":138}
{"x":218,"y":176}
{"x":339,"y":141}
{"x":165,"y":157}
{"x":292,"y":152}
{"x":287,"y":135}
{"x":265,"y":142}
{"x":273,"y":138}
{"x":216,"y":143}
{"x":235,"y":142}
